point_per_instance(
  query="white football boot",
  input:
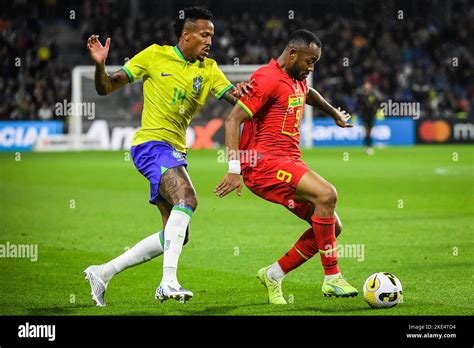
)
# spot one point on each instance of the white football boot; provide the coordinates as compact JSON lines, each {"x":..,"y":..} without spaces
{"x":166,"y":291}
{"x":98,"y":286}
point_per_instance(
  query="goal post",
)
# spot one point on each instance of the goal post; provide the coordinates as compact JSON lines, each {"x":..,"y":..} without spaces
{"x":120,"y":112}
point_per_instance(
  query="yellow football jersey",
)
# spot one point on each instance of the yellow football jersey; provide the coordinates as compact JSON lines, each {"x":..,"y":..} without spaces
{"x":174,"y":90}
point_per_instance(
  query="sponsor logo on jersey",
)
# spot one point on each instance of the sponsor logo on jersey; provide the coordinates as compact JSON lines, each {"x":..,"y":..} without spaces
{"x":295,"y":100}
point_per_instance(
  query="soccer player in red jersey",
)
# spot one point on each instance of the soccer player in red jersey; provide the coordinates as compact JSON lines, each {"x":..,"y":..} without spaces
{"x":272,"y":113}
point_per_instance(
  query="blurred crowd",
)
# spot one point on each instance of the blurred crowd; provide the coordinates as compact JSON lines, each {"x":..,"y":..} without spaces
{"x":427,"y":58}
{"x":33,"y":78}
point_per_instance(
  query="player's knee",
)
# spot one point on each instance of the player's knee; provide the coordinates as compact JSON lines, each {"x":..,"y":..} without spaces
{"x":327,"y":196}
{"x":191,"y":201}
{"x":188,"y":199}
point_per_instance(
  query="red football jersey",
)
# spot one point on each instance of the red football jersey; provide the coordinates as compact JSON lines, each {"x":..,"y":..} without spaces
{"x":275,"y":104}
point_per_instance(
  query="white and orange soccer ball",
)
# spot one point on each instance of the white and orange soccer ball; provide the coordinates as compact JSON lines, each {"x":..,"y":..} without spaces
{"x":383,"y":290}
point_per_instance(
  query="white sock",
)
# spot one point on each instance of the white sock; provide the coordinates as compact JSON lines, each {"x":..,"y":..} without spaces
{"x":275,"y":272}
{"x":175,"y":232}
{"x":329,"y":277}
{"x":144,"y":250}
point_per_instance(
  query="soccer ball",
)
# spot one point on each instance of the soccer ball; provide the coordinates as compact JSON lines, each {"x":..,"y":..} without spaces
{"x":383,"y":290}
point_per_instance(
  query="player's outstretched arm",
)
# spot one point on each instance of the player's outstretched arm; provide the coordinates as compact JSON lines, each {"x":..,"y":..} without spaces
{"x":104,"y":83}
{"x":231,"y":180}
{"x":341,"y":117}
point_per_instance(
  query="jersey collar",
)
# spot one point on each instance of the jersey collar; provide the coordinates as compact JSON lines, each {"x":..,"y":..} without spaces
{"x":181,"y":56}
{"x":178,"y":52}
{"x":273,"y":62}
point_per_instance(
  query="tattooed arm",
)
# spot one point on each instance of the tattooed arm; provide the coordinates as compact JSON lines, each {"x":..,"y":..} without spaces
{"x":104,"y":83}
{"x":230,"y":98}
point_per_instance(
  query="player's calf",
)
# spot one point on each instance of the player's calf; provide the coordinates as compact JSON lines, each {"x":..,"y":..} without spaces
{"x":304,"y":249}
{"x":176,"y":188}
{"x":323,"y":196}
{"x":165,"y":210}
{"x":337,"y":227}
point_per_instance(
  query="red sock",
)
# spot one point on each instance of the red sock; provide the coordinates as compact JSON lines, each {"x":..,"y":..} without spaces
{"x":303,"y":250}
{"x":324,"y":233}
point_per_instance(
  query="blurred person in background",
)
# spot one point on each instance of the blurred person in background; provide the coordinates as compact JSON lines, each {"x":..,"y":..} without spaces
{"x":369,"y":99}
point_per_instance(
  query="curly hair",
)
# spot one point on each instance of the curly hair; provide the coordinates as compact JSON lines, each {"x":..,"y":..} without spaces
{"x":190,"y":14}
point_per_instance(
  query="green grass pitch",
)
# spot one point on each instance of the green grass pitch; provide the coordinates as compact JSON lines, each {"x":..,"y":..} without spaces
{"x":412,"y":208}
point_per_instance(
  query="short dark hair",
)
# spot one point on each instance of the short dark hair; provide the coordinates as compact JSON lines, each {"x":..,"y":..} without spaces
{"x":190,"y":14}
{"x":303,"y":37}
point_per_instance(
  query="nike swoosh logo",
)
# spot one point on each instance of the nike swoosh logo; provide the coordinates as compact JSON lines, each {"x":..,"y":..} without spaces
{"x":163,"y":74}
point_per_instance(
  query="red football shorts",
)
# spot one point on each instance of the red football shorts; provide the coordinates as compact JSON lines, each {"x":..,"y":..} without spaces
{"x":275,"y":180}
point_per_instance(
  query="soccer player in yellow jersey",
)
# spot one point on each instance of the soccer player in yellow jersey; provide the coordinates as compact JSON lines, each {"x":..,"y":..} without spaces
{"x":176,"y":82}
